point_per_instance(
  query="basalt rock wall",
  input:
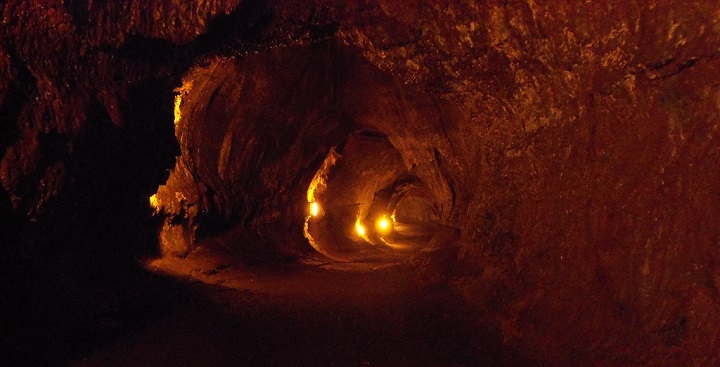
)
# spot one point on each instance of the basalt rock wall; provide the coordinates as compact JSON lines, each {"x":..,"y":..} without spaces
{"x":574,"y":147}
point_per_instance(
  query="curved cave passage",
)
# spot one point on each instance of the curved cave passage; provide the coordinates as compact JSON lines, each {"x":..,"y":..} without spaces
{"x":294,"y":154}
{"x":360,"y":183}
{"x":301,"y":177}
{"x":353,"y":199}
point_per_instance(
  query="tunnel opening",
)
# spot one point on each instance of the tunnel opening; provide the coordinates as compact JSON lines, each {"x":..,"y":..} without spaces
{"x":297,"y":175}
{"x":352,"y":200}
{"x":255,"y":132}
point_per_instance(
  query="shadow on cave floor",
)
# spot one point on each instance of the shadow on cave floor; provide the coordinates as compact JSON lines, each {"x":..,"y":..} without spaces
{"x":290,"y":313}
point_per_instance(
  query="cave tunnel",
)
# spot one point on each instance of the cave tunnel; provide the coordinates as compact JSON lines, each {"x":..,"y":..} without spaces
{"x":378,"y":183}
{"x":302,"y":140}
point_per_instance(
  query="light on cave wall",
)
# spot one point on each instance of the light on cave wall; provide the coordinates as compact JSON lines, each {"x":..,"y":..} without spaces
{"x":155,"y":202}
{"x":383,"y":225}
{"x":316,"y":187}
{"x":178,"y":100}
{"x":181,"y":91}
{"x":319,"y":181}
{"x":314,"y":209}
{"x":359,"y":228}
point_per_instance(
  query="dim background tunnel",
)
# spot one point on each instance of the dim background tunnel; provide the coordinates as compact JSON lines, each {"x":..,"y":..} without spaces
{"x":390,"y":183}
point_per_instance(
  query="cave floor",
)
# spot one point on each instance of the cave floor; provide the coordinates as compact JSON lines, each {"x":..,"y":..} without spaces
{"x":291,"y":313}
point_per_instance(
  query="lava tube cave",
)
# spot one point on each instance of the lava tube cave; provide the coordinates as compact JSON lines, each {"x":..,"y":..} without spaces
{"x":375,"y":183}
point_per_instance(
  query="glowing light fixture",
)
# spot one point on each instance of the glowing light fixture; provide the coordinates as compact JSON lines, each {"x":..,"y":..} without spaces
{"x":383,"y":225}
{"x":314,"y":209}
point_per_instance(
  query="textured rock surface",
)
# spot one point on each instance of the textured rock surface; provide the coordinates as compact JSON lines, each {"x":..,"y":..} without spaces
{"x":575,"y":146}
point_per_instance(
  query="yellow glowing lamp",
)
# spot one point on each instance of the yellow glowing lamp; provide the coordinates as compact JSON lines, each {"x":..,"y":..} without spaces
{"x":384,"y":225}
{"x":314,"y":209}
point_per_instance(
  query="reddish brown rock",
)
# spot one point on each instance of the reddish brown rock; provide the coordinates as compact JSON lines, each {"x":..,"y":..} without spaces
{"x":572,"y":150}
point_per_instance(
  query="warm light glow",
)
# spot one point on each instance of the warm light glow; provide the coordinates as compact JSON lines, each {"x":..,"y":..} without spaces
{"x":178,"y":100}
{"x":359,"y":228}
{"x":383,"y":224}
{"x":181,"y":91}
{"x":319,"y":181}
{"x":317,"y":186}
{"x":314,"y":209}
{"x":154,"y":202}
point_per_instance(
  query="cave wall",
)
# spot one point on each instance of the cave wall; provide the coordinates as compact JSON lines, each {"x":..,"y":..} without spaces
{"x":575,"y":146}
{"x":580,"y":150}
{"x":250,"y":131}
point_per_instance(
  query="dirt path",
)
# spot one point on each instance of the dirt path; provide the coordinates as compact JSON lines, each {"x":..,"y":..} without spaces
{"x":290,"y":315}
